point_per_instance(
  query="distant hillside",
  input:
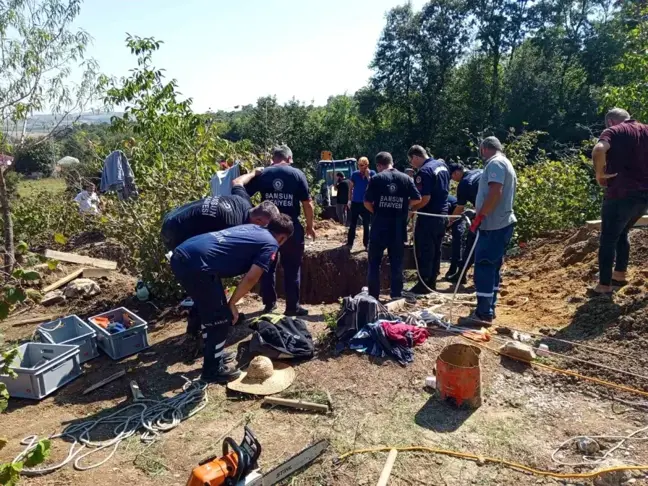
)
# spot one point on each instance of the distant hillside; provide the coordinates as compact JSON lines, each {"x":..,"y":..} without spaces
{"x":44,"y":123}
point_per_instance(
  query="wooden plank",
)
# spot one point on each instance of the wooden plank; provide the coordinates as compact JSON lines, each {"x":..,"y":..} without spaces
{"x":105,"y":381}
{"x":596,"y":224}
{"x":96,"y":272}
{"x":80,"y":259}
{"x":286,"y":402}
{"x":387,"y":468}
{"x":32,"y":320}
{"x":61,"y":282}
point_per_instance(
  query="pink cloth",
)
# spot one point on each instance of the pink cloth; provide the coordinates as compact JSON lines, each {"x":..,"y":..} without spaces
{"x":398,"y":333}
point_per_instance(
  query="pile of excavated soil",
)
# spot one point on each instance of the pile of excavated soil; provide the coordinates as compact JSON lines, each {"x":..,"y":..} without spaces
{"x":554,"y":274}
{"x":94,"y":244}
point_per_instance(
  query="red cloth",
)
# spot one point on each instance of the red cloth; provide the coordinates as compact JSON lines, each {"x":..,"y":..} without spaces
{"x":397,"y":332}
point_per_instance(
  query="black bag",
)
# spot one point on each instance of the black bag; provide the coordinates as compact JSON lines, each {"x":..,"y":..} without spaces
{"x":281,"y":337}
{"x":356,"y":313}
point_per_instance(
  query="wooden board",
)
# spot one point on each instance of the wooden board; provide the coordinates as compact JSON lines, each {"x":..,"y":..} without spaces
{"x":32,"y":320}
{"x":80,"y":259}
{"x":95,"y":272}
{"x":596,"y":224}
{"x":59,"y":283}
{"x":105,"y":381}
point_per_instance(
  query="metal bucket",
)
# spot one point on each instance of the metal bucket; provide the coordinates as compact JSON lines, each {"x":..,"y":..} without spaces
{"x":458,"y":372}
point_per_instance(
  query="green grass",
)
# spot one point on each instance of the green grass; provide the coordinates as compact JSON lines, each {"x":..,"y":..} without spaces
{"x":28,"y":187}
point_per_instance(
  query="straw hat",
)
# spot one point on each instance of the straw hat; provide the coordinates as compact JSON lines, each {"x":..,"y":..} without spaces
{"x":262,"y":378}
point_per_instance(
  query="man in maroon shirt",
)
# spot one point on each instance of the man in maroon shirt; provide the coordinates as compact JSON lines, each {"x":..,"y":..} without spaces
{"x":621,"y":162}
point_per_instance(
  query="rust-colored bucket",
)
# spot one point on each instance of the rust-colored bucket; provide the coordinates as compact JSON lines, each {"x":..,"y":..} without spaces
{"x":458,"y":374}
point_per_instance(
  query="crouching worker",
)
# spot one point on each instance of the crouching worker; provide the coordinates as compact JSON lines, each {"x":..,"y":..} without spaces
{"x":201,"y":262}
{"x":388,"y":197}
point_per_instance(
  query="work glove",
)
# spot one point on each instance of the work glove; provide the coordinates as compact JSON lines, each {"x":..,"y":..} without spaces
{"x":476,"y":222}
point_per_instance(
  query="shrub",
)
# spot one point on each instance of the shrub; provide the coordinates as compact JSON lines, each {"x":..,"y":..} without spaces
{"x":36,"y":157}
{"x":555,"y":195}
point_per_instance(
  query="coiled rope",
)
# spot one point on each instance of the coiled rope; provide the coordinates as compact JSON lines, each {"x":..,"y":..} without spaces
{"x":153,"y":416}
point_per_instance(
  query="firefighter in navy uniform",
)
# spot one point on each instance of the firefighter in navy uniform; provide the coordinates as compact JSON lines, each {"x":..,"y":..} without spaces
{"x":388,"y":197}
{"x":287,"y":188}
{"x":199,"y":264}
{"x":432,"y":181}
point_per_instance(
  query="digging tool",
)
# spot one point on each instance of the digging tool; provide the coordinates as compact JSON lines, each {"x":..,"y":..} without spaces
{"x":238,"y":464}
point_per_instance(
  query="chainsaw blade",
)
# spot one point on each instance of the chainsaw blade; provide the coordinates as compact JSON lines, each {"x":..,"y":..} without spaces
{"x":295,"y":463}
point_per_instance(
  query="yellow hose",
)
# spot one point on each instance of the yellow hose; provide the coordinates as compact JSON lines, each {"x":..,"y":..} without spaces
{"x":502,"y":462}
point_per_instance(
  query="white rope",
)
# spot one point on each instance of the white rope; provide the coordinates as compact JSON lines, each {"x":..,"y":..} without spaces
{"x":590,"y":460}
{"x":154,"y":416}
{"x":463,"y":271}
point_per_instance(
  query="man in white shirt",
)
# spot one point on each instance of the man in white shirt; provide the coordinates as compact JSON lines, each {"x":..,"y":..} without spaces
{"x":88,"y":200}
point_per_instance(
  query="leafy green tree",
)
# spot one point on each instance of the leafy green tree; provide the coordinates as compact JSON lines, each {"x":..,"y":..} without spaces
{"x":39,"y":46}
{"x":37,"y":157}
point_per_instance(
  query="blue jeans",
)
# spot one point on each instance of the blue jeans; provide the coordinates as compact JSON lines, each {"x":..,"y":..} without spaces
{"x":210,"y":309}
{"x":291,"y":254}
{"x":386,"y":234}
{"x":618,"y":216}
{"x":489,"y":256}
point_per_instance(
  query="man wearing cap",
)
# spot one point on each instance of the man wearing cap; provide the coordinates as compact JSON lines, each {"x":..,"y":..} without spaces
{"x":495,"y":221}
{"x":433,"y":181}
{"x":287,"y":188}
{"x":359,"y":182}
{"x":466,"y":193}
{"x":621,"y":163}
{"x":388,"y":197}
{"x":199,"y":264}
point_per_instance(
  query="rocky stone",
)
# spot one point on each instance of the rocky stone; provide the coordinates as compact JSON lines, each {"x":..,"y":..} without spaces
{"x":82,"y":287}
{"x":518,"y":350}
{"x":53,"y":297}
{"x":588,"y":446}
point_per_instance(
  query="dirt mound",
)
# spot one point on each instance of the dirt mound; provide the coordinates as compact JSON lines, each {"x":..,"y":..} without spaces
{"x":94,"y":244}
{"x":579,"y":251}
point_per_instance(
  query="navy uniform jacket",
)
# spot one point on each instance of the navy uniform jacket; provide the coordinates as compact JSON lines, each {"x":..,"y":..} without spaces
{"x":390,"y":192}
{"x":205,"y":215}
{"x":468,"y":186}
{"x":433,"y":179}
{"x":229,"y":252}
{"x":283,"y":185}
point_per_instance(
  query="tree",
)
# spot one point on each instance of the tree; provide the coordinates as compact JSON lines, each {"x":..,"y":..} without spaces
{"x":36,"y":157}
{"x":38,"y":46}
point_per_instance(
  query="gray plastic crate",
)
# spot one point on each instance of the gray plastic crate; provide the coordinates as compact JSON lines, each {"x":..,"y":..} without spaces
{"x":125,"y":343}
{"x":71,"y":330}
{"x":42,"y":368}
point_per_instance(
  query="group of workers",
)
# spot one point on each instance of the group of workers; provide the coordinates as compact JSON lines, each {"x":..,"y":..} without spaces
{"x":225,"y":236}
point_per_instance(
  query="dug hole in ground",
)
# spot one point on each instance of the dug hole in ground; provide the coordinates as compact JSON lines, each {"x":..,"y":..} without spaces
{"x":526,"y":412}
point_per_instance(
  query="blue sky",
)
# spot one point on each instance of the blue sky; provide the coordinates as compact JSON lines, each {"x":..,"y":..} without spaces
{"x":225,"y":53}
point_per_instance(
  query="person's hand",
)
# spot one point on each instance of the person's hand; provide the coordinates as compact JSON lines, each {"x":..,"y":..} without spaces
{"x":258,"y":171}
{"x":310,"y":232}
{"x":235,"y":314}
{"x":349,"y":205}
{"x":602,"y":179}
{"x":476,"y":222}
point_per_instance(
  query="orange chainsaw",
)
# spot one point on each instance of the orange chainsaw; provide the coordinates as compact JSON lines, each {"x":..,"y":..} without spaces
{"x":238,"y":464}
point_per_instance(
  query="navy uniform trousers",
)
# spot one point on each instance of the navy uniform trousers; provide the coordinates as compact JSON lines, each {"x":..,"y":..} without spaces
{"x":386,"y":234}
{"x":291,"y":254}
{"x":210,"y":309}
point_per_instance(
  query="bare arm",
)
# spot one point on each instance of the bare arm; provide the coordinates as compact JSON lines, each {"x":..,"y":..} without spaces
{"x":245,"y":178}
{"x":369,"y":206}
{"x":493,"y":197}
{"x":420,"y":203}
{"x":350,"y":190}
{"x":599,"y":156}
{"x":245,"y":285}
{"x":309,"y":214}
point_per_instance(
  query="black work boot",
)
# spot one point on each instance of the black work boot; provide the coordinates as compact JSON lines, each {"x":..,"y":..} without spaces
{"x":298,"y":312}
{"x":224,"y":374}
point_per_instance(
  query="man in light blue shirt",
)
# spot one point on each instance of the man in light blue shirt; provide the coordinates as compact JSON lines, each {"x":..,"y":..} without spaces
{"x":495,"y":222}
